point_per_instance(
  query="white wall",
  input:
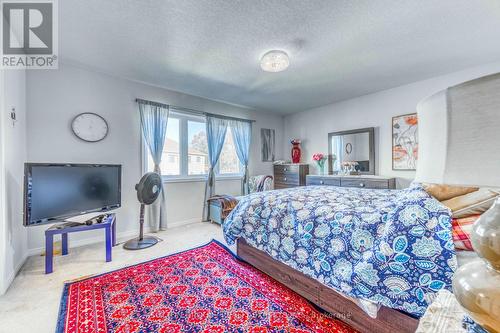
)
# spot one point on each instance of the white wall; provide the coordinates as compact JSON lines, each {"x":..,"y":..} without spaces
{"x":55,"y":97}
{"x":13,"y":235}
{"x":374,"y":110}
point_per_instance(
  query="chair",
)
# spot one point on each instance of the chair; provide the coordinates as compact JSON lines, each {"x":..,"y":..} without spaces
{"x":260,"y":183}
{"x":222,"y":205}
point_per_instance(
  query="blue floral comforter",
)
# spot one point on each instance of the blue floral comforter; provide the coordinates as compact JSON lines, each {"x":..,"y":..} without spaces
{"x":392,"y":247}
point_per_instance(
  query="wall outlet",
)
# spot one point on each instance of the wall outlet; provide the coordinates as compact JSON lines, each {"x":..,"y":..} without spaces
{"x":13,"y":116}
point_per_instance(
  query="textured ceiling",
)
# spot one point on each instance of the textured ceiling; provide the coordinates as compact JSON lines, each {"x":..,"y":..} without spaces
{"x":338,"y":48}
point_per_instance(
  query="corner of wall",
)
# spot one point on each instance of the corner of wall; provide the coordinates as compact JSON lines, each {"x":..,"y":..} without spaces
{"x":13,"y":235}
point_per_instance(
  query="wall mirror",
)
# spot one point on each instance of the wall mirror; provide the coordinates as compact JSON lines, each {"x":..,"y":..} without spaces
{"x":352,"y":146}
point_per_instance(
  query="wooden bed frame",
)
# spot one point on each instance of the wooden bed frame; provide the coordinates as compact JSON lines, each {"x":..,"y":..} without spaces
{"x":388,"y":320}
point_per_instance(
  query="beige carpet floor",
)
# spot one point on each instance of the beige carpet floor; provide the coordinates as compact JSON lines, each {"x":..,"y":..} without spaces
{"x":31,"y":303}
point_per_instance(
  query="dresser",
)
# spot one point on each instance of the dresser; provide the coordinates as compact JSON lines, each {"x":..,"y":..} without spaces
{"x":290,"y":175}
{"x":362,"y":181}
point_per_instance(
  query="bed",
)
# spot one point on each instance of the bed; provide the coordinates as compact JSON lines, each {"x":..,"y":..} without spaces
{"x":343,"y":247}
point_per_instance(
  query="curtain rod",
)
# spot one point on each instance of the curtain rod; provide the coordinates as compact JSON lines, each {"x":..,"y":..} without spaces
{"x":192,"y":111}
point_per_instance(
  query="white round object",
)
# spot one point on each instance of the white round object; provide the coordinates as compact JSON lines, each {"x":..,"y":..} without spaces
{"x":90,"y":127}
{"x":274,"y":61}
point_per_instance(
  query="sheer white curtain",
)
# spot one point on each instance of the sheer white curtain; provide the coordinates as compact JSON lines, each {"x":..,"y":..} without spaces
{"x":154,"y":118}
{"x":216,"y":133}
{"x":242,"y":135}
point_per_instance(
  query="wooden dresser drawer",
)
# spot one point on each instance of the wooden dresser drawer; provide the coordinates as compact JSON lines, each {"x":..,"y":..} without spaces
{"x":279,"y":186}
{"x":286,"y":168}
{"x":287,"y":178}
{"x":373,"y":182}
{"x":365,"y":183}
{"x":332,"y":181}
{"x":290,"y":175}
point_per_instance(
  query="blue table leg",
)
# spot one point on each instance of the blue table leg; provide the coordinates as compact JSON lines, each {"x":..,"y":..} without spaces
{"x":64,"y":241}
{"x":108,"y":243}
{"x":114,"y":232}
{"x":49,"y":243}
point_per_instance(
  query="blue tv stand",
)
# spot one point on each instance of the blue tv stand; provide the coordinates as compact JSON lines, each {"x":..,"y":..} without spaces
{"x":108,"y":224}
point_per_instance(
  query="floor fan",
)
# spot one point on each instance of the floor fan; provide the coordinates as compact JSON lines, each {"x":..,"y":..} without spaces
{"x":148,"y":190}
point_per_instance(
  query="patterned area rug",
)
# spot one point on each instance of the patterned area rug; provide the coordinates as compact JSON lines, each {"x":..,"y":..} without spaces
{"x":205,"y":289}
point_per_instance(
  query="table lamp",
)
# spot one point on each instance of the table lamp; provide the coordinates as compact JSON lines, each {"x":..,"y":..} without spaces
{"x":459,"y":144}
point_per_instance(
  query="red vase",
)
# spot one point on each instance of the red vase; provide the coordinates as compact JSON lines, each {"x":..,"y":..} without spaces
{"x":296,"y":152}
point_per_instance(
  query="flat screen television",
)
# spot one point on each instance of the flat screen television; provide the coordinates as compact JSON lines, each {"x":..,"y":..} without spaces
{"x":54,"y":192}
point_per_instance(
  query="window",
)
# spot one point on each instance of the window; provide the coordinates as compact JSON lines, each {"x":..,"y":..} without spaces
{"x":185,"y":152}
{"x":197,"y":148}
{"x":170,"y":158}
{"x":170,"y":165}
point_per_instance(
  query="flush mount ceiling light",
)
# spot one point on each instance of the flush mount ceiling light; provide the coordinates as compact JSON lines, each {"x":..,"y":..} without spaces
{"x":274,"y":61}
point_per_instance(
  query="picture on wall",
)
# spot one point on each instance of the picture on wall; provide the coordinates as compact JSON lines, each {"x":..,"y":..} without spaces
{"x":405,"y":142}
{"x":268,"y":143}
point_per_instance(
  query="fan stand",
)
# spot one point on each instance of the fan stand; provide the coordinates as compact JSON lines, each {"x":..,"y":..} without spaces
{"x":141,"y":242}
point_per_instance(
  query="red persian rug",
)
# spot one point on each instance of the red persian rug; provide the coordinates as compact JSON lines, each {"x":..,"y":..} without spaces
{"x":205,"y":289}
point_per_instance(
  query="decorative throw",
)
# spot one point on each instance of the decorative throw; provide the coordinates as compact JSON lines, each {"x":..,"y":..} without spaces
{"x":203,"y":290}
{"x":444,"y":315}
{"x":226,"y":202}
{"x":461,"y":229}
{"x":261,"y":183}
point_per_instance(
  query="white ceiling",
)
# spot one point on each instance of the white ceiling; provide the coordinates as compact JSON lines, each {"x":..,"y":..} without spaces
{"x":338,"y":48}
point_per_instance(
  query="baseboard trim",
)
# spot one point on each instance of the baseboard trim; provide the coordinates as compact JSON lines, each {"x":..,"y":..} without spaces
{"x":124,"y":235}
{"x":13,"y":275}
{"x":183,"y":223}
{"x":92,"y":240}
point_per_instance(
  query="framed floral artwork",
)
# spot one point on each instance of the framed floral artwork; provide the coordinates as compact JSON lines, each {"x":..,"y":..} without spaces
{"x":405,"y":142}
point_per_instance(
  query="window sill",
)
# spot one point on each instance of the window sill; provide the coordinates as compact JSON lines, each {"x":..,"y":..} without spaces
{"x":199,"y":179}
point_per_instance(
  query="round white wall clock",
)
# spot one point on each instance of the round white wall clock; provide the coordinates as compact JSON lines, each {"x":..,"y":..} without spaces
{"x":90,"y":127}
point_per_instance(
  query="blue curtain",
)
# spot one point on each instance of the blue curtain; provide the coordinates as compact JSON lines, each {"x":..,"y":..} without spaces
{"x":242,"y":135}
{"x":216,"y":133}
{"x":154,"y":119}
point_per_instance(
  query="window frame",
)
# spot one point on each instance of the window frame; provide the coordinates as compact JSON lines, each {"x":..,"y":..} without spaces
{"x":184,"y":176}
